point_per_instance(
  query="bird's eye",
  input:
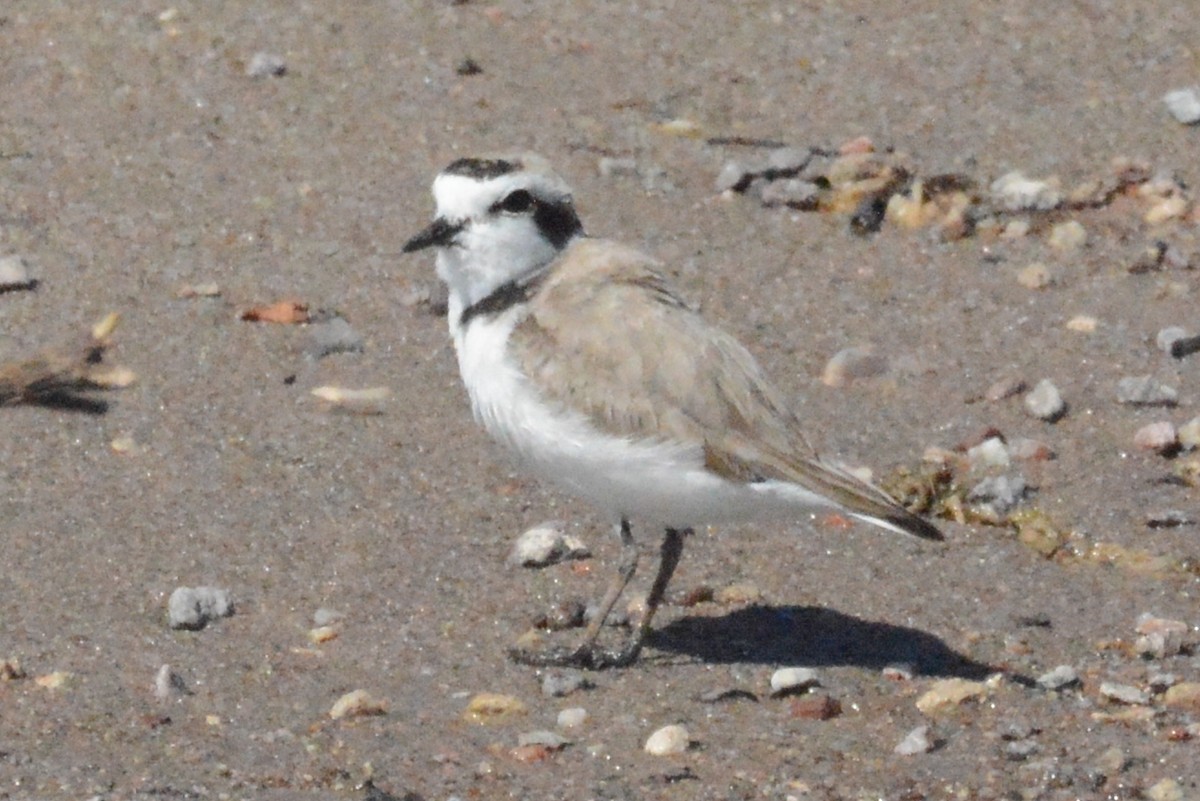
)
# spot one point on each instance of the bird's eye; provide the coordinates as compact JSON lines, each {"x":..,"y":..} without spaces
{"x":516,"y":202}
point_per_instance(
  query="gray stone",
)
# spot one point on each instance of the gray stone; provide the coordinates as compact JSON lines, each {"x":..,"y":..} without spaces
{"x":1044,"y":401}
{"x":334,"y":335}
{"x":194,"y":607}
{"x":1144,"y":390}
{"x":1060,"y":678}
{"x":916,"y":741}
{"x":1184,"y":105}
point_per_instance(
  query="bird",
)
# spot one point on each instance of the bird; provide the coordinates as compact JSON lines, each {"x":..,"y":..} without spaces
{"x":580,"y":357}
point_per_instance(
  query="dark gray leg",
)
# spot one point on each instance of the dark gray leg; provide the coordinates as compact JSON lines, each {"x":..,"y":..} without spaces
{"x":588,"y":654}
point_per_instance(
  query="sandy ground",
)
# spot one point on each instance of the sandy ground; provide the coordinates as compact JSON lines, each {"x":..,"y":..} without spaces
{"x":138,"y":157}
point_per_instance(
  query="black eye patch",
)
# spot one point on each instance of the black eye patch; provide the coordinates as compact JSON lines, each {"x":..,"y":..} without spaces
{"x":516,"y":202}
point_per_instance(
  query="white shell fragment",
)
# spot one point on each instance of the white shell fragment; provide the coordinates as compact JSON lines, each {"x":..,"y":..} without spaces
{"x":668,"y":740}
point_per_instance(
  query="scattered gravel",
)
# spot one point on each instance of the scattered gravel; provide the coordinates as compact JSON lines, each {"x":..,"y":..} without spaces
{"x":194,"y":607}
{"x":1044,"y":401}
{"x":916,"y":741}
{"x":668,"y":741}
{"x":1145,"y":390}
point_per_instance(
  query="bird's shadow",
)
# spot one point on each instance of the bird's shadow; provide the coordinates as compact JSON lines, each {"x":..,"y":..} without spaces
{"x":815,"y":637}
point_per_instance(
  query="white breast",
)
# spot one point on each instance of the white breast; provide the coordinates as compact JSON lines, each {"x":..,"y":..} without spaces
{"x":659,"y":482}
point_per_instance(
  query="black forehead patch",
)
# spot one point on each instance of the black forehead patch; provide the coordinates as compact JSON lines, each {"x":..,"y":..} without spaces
{"x":482,"y":168}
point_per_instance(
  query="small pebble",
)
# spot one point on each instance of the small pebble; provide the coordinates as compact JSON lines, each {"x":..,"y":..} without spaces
{"x":1026,"y":449}
{"x":549,"y":739}
{"x":1001,"y":493}
{"x":1067,"y":236}
{"x":1035,"y":276}
{"x":734,"y":176}
{"x":1144,"y":390}
{"x":1167,"y":338}
{"x":263,"y":65}
{"x":194,"y":607}
{"x":787,"y":681}
{"x":609,"y":167}
{"x":1005,"y":388}
{"x":493,"y":708}
{"x":1189,"y":434}
{"x":324,"y":616}
{"x":1161,"y":637}
{"x":167,"y":684}
{"x":1112,"y":761}
{"x":572,"y":718}
{"x":1184,"y":696}
{"x":851,"y":364}
{"x":1082,"y":323}
{"x":546,"y":544}
{"x":1161,"y":682}
{"x":1123,"y":693}
{"x":334,"y":335}
{"x":1044,"y":401}
{"x":900,"y":671}
{"x":1015,"y":192}
{"x":815,"y":707}
{"x":915,"y":742}
{"x":950,"y":693}
{"x":668,"y":741}
{"x":1159,"y":437}
{"x":1184,"y":105}
{"x":356,"y":704}
{"x":990,"y":453}
{"x":1166,"y":790}
{"x":791,"y":192}
{"x":560,"y":683}
{"x":1060,"y":678}
{"x":14,"y":274}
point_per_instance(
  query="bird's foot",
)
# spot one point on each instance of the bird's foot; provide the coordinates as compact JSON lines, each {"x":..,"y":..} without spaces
{"x":588,"y":656}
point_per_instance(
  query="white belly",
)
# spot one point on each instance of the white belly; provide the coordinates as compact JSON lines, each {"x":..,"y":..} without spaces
{"x":658,"y":482}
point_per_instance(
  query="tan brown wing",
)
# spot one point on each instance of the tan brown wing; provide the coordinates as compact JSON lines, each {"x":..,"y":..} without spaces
{"x":606,"y":335}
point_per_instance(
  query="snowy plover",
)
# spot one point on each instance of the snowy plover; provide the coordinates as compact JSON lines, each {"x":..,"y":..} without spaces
{"x":580,"y":357}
